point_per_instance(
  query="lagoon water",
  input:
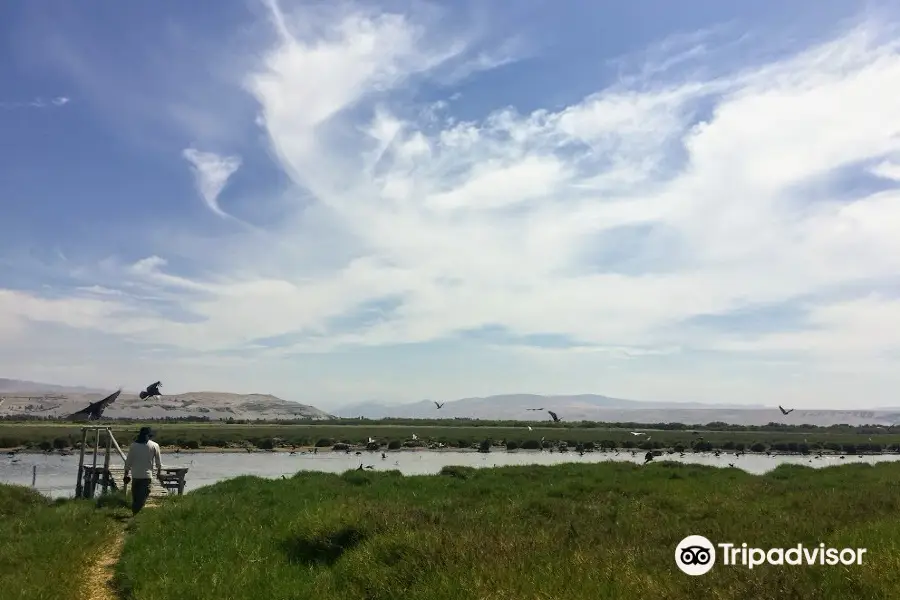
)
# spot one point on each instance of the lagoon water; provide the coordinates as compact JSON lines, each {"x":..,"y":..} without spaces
{"x":56,"y":474}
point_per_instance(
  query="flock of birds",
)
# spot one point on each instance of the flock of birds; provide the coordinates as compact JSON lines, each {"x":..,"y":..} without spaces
{"x":555,"y":418}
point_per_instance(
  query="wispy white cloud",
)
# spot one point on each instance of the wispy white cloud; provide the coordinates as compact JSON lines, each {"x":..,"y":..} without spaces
{"x":211,"y":174}
{"x":36,"y":103}
{"x":613,"y":221}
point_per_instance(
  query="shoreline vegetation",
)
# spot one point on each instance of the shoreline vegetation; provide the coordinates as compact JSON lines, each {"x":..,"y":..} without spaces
{"x":459,"y":435}
{"x":574,"y":531}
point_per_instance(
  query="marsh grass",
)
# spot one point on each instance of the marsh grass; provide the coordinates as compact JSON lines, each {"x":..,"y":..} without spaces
{"x":564,"y":532}
{"x":219,"y":435}
{"x":46,"y":547}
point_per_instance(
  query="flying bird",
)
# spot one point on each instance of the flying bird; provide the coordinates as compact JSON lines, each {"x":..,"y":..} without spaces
{"x":553,"y":414}
{"x":542,"y":408}
{"x":638,"y":433}
{"x":94,"y":410}
{"x":440,"y":405}
{"x":785,"y":412}
{"x":151,"y":391}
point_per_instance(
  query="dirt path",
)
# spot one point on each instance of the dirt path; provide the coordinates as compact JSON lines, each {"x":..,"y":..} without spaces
{"x":98,"y":584}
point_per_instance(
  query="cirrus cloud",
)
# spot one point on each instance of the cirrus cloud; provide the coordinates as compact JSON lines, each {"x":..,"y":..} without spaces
{"x":211,"y":173}
{"x":615,"y":223}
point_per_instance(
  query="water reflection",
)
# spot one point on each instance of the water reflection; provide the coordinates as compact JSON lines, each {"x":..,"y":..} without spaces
{"x":56,"y":474}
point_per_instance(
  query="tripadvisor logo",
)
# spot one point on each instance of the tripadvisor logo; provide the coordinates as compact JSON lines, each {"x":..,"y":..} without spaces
{"x":696,"y":555}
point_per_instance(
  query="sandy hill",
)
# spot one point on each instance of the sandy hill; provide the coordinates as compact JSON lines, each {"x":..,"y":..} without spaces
{"x":58,"y":401}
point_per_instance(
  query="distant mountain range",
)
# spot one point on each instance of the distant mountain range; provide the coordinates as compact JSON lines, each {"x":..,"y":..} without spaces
{"x":592,"y":407}
{"x":33,"y":398}
{"x":24,"y":387}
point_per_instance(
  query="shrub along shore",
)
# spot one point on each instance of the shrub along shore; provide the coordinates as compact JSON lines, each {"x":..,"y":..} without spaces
{"x":573,"y":531}
{"x":436,"y":435}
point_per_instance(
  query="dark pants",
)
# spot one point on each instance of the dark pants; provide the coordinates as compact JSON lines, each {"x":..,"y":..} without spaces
{"x":140,"y":491}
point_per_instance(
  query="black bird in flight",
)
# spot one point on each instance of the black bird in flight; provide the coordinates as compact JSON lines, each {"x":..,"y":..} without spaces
{"x":553,"y":414}
{"x":542,"y":408}
{"x":438,"y":404}
{"x":94,"y":410}
{"x":784,"y":412}
{"x":151,"y":391}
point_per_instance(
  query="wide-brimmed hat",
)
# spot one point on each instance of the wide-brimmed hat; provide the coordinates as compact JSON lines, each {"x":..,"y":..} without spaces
{"x":146,"y":433}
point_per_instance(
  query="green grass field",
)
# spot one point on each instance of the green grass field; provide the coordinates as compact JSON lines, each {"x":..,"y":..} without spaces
{"x":568,"y":531}
{"x":45,"y":546}
{"x":220,"y":435}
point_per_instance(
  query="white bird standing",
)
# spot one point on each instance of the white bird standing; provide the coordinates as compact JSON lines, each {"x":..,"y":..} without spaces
{"x":415,"y":437}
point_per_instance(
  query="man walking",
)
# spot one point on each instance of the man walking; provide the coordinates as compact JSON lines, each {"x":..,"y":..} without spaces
{"x":142,"y":457}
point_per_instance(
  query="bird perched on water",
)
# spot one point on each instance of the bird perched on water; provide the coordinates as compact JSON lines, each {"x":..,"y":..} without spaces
{"x":648,"y":457}
{"x":151,"y":391}
{"x":785,"y":412}
{"x":556,"y":419}
{"x":440,"y":405}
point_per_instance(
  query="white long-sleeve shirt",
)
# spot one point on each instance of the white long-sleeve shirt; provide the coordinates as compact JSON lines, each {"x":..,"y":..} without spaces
{"x":141,"y":459}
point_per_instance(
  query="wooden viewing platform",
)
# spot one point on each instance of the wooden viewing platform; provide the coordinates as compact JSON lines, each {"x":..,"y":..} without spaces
{"x":111,"y":478}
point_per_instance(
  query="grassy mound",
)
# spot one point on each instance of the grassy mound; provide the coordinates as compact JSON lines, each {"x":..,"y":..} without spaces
{"x":569,"y":531}
{"x":46,"y":547}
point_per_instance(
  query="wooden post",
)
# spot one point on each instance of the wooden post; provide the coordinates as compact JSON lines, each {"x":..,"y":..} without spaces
{"x":116,"y":445}
{"x":79,"y":489}
{"x":106,"y":461}
{"x":94,"y":470}
{"x":34,"y":476}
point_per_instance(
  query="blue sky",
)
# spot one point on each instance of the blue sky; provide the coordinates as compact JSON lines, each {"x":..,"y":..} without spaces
{"x":336,"y":202}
